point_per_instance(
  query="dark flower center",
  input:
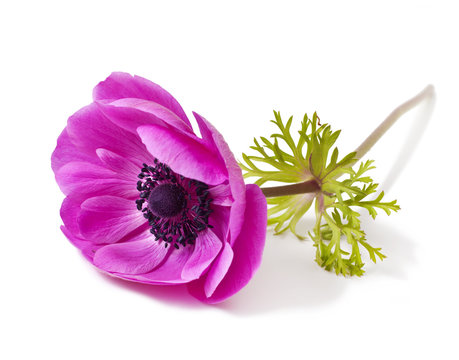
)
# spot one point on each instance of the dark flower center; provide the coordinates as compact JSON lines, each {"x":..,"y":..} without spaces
{"x":176,"y":208}
{"x":166,"y":200}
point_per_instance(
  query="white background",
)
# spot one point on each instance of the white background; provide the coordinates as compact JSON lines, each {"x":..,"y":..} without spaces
{"x":234,"y":62}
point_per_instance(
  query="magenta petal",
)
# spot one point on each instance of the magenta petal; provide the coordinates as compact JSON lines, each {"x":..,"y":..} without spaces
{"x":183,"y":154}
{"x":123,"y":167}
{"x":87,"y":248}
{"x":221,"y":195}
{"x":70,"y":210}
{"x":169,"y":272}
{"x":108,"y":219}
{"x":121,"y":85}
{"x":134,"y":257}
{"x":247,"y":248}
{"x":89,"y":130}
{"x":219,"y":221}
{"x":206,"y":248}
{"x":66,"y":152}
{"x":212,"y":136}
{"x":219,"y":269}
{"x":130,"y":113}
{"x":83,"y":180}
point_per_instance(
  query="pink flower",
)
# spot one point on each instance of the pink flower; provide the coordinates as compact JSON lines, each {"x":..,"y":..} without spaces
{"x":147,"y":200}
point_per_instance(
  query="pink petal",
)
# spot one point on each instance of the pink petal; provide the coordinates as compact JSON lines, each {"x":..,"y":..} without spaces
{"x":87,"y":248}
{"x":66,"y":152}
{"x":184,"y":154}
{"x":83,"y":180}
{"x":221,"y":195}
{"x":108,"y":219}
{"x":123,"y":167}
{"x":134,"y":257}
{"x":169,"y":272}
{"x":70,"y":210}
{"x":89,"y":130}
{"x":121,"y":85}
{"x":219,"y":219}
{"x":218,"y":270}
{"x":206,"y":248}
{"x":212,"y":136}
{"x":131,"y":113}
{"x":247,"y":248}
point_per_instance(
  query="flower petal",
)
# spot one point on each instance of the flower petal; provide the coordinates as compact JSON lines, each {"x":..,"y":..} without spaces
{"x":70,"y":210}
{"x":219,"y":219}
{"x":66,"y":152}
{"x":87,"y":248}
{"x":169,"y":272}
{"x":121,"y":85}
{"x":123,"y":167}
{"x":83,"y":180}
{"x":184,"y":154}
{"x":134,"y":257}
{"x":108,"y":219}
{"x":131,"y":113}
{"x":247,"y":248}
{"x":89,"y":130}
{"x":218,"y":270}
{"x":206,"y":248}
{"x":221,"y":195}
{"x":212,"y":136}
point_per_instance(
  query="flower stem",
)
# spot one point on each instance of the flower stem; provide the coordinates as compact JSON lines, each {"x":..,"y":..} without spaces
{"x":309,"y":186}
{"x":312,"y":186}
{"x":368,"y":143}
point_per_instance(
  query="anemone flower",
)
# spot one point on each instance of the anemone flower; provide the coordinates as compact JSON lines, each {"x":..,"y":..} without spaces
{"x":147,"y":200}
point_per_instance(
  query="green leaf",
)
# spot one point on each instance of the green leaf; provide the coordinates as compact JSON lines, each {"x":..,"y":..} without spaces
{"x":337,"y":235}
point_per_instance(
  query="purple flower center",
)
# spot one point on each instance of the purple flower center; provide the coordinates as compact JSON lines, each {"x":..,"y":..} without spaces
{"x":176,"y":208}
{"x":166,"y":200}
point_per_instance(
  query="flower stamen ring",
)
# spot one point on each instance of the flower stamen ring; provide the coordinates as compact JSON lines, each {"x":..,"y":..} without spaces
{"x":176,"y":208}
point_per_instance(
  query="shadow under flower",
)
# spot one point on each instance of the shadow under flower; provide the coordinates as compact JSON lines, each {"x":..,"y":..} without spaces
{"x":289,"y":278}
{"x":172,"y":295}
{"x":399,"y":249}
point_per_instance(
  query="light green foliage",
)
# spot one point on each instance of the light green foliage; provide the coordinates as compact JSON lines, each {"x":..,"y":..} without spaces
{"x":337,"y":233}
